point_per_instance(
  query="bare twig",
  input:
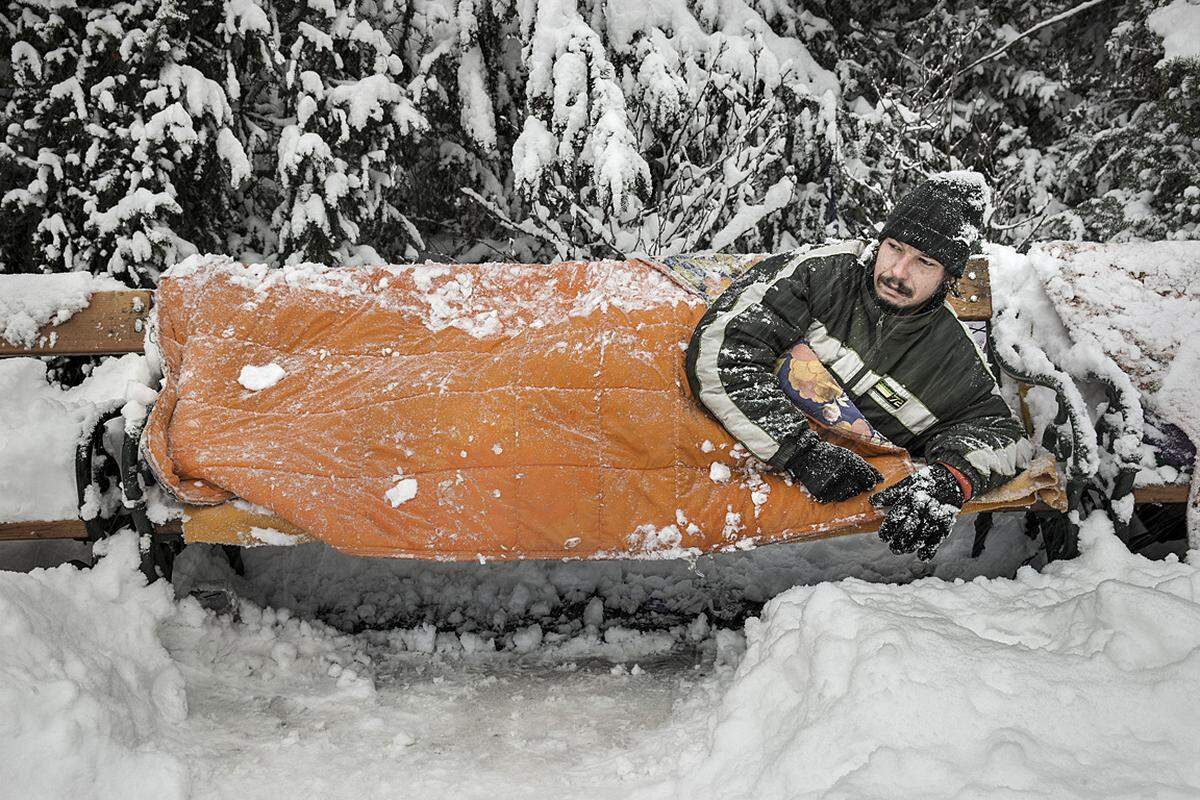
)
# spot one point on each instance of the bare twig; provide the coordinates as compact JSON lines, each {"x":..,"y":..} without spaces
{"x":1056,"y":18}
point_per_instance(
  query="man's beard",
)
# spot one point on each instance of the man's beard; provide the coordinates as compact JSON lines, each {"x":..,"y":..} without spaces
{"x":901,"y":288}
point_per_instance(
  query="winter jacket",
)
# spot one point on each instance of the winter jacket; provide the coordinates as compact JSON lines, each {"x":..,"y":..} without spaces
{"x":920,"y":379}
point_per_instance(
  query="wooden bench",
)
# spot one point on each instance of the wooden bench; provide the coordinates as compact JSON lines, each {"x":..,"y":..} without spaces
{"x":114,"y":323}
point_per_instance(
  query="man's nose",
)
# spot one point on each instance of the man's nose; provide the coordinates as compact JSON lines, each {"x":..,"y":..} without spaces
{"x":903,"y":267}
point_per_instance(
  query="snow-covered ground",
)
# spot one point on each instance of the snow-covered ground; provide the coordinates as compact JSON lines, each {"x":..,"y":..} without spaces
{"x":565,"y":680}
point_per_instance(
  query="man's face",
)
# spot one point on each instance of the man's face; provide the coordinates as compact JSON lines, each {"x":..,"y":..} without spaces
{"x":904,"y":276}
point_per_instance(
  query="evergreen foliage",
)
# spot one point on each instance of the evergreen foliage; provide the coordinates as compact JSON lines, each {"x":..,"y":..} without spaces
{"x":137,"y":132}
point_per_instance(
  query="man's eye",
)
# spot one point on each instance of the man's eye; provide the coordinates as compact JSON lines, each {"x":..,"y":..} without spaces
{"x":893,"y":245}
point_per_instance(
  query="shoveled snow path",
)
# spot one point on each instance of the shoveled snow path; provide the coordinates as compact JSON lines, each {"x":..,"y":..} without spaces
{"x":539,"y":728}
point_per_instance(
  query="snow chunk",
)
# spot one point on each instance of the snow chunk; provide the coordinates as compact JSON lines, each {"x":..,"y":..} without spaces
{"x":527,"y":639}
{"x":402,"y":491}
{"x":719,"y":473}
{"x":258,"y":378}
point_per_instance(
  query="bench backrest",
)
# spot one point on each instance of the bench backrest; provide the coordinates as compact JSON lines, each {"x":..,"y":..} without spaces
{"x":114,"y":322}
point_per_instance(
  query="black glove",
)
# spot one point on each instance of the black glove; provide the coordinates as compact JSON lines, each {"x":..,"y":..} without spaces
{"x":831,"y":473}
{"x":923,"y":508}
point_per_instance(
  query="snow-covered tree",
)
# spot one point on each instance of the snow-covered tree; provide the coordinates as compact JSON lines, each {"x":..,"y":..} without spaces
{"x":658,"y":128}
{"x":350,"y":130}
{"x":347,"y":136}
{"x":99,"y":162}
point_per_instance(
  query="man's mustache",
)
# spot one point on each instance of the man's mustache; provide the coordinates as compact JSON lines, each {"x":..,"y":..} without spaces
{"x":896,"y":286}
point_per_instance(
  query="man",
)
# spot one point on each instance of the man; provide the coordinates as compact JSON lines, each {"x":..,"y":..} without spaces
{"x":878,"y":321}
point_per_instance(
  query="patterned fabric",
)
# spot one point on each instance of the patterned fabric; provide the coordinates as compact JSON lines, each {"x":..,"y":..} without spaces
{"x":706,"y":276}
{"x":809,"y":385}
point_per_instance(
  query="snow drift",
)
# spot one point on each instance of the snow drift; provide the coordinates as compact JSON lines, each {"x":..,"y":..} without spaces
{"x":1075,"y":682}
{"x":85,"y":685}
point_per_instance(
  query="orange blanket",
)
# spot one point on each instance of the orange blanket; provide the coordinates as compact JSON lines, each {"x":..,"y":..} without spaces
{"x":465,"y":411}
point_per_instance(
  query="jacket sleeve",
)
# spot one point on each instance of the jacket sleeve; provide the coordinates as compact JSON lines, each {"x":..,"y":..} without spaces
{"x":732,"y":354}
{"x":985,"y":442}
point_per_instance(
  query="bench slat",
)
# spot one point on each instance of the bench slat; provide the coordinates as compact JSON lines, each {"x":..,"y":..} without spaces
{"x":112,"y":324}
{"x":975,"y":305}
{"x":63,"y":529}
{"x":1167,"y":493}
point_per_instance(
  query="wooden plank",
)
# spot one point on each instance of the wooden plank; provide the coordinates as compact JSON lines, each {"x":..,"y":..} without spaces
{"x":975,"y":305}
{"x":63,"y":529}
{"x":1164,"y":493}
{"x":228,"y":524}
{"x":29,"y":531}
{"x":113,"y":323}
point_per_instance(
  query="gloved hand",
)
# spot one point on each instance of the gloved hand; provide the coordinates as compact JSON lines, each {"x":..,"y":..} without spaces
{"x":922,"y":510}
{"x":831,"y":473}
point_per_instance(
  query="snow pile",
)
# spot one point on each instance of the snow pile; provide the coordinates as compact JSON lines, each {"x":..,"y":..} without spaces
{"x":1126,"y":314}
{"x":40,"y":426}
{"x":1075,"y":683}
{"x":1178,"y":23}
{"x":27,"y":302}
{"x":86,"y":689}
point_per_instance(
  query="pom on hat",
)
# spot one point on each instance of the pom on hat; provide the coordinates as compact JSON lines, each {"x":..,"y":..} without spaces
{"x":943,"y":218}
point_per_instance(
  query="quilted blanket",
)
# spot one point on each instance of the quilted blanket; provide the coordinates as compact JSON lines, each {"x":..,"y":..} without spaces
{"x":460,"y":412}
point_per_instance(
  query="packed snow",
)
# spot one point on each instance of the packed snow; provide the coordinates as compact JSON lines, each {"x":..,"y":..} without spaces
{"x":1077,"y":682}
{"x":88,"y":689}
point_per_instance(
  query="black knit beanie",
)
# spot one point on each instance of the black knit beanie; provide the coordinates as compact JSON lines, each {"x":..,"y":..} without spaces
{"x":943,"y":218}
